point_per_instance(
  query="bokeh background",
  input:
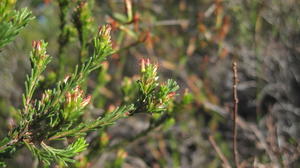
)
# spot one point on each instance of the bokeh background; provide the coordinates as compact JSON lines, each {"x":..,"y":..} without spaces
{"x":193,"y":42}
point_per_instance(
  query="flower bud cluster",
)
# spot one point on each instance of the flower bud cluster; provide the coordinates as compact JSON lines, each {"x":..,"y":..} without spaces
{"x":148,"y":76}
{"x":75,"y":98}
{"x":104,"y":32}
{"x":39,"y":56}
{"x":154,"y":97}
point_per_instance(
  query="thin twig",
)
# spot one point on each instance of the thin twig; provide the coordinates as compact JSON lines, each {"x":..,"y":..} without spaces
{"x":144,"y":133}
{"x":235,"y":110}
{"x":131,"y":140}
{"x":219,"y":152}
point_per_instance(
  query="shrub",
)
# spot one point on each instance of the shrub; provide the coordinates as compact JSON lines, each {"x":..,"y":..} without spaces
{"x":50,"y":117}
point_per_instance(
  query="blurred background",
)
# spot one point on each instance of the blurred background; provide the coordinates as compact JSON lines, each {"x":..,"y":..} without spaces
{"x":195,"y":43}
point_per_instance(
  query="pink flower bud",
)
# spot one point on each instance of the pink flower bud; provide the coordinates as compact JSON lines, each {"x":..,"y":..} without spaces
{"x":77,"y":92}
{"x":104,"y":31}
{"x":143,"y":69}
{"x":171,"y":95}
{"x":36,"y":45}
{"x":33,"y":44}
{"x":68,"y":97}
{"x":86,"y":101}
{"x":147,"y":62}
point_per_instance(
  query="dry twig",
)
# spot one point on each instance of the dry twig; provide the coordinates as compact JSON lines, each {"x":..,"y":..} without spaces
{"x":219,"y":152}
{"x":235,"y":110}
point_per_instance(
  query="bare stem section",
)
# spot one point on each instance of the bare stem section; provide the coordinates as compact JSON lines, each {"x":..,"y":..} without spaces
{"x":235,"y":110}
{"x":219,"y":152}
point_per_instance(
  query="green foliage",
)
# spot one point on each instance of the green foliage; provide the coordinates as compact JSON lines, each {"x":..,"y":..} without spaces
{"x":82,"y":19}
{"x":57,"y":115}
{"x":106,"y":120}
{"x":11,"y":21}
{"x":153,"y":97}
{"x":48,"y":154}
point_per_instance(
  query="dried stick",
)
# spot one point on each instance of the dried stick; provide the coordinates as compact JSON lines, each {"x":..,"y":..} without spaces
{"x":219,"y":152}
{"x":235,"y":110}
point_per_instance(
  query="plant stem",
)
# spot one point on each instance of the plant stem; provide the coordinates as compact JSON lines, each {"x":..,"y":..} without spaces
{"x":63,"y":38}
{"x":219,"y":152}
{"x":125,"y":142}
{"x":235,"y":111}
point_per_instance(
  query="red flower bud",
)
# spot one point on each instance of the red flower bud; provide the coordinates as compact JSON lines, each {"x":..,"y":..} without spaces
{"x":104,"y":31}
{"x":143,"y":69}
{"x":37,"y":45}
{"x":86,"y":101}
{"x":171,"y":94}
